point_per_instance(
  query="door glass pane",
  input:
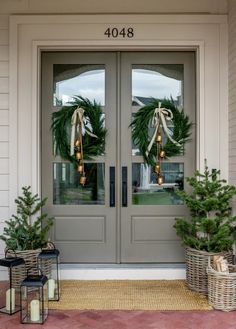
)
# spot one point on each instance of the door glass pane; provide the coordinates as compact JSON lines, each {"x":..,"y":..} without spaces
{"x":157,"y":81}
{"x":86,"y":80}
{"x":145,"y":189}
{"x":68,"y":190}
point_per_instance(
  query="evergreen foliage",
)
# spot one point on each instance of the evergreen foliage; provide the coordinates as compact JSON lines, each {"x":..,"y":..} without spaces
{"x":142,"y":122}
{"x":27,"y":229}
{"x":61,"y":127}
{"x":211,"y":226}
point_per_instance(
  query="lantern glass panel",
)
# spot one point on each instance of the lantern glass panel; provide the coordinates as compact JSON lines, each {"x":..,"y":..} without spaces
{"x":49,"y":264}
{"x":9,"y":298}
{"x":34,"y":304}
{"x":9,"y":293}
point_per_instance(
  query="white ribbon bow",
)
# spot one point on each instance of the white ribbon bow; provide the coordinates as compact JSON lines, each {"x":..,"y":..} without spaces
{"x":78,"y":124}
{"x":160,"y":117}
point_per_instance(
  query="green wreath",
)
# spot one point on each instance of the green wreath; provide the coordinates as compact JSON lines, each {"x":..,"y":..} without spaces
{"x":61,"y":123}
{"x":140,"y":130}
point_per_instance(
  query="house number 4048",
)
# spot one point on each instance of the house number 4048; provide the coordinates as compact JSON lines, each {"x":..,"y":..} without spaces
{"x":114,"y":32}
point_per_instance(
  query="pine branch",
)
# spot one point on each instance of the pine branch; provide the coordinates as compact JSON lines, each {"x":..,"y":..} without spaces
{"x":21,"y":232}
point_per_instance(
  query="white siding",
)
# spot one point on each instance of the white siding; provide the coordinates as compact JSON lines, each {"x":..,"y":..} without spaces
{"x":4,"y":133}
{"x":4,"y":101}
{"x":3,"y":53}
{"x":4,"y":214}
{"x":4,"y":65}
{"x":232,"y":91}
{"x":4,"y":181}
{"x":4,"y":123}
{"x":4,"y":117}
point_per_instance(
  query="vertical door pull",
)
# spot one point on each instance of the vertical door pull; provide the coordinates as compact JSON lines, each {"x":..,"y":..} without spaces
{"x":112,"y":187}
{"x":124,"y":187}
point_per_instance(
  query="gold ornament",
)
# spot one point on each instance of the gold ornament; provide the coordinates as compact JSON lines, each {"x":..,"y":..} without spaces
{"x":158,"y":138}
{"x":78,"y":155}
{"x":162,"y":154}
{"x":80,"y":168}
{"x":158,"y":168}
{"x":82,"y":180}
{"x":77,"y":143}
{"x":160,"y":180}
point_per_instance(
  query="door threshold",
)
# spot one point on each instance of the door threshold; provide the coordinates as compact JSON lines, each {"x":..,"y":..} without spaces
{"x":123,"y":271}
{"x":123,"y":265}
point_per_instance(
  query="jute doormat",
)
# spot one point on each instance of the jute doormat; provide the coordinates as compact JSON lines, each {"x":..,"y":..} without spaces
{"x":161,"y":295}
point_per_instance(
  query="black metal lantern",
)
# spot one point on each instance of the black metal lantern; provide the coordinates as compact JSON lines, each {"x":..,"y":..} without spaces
{"x":9,"y":296}
{"x":34,"y":298}
{"x":49,"y":263}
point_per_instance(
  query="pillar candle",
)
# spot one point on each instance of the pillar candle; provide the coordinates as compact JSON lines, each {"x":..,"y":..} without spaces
{"x":34,"y":310}
{"x":51,"y":288}
{"x":10,"y":299}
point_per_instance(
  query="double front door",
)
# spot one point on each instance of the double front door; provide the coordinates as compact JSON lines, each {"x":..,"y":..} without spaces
{"x":121,"y":215}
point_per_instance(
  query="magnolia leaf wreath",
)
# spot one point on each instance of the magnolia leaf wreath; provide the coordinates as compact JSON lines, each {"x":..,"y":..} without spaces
{"x":79,"y":132}
{"x":171,"y":131}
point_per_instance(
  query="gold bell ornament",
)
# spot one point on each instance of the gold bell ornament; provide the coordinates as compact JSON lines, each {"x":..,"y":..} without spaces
{"x":82,"y":180}
{"x":160,"y":180}
{"x":80,"y":168}
{"x":158,"y":138}
{"x":78,"y":155}
{"x":77,"y":143}
{"x":157,"y":168}
{"x":162,"y":154}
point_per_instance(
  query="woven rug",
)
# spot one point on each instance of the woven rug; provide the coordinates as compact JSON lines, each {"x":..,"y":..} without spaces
{"x":161,"y":295}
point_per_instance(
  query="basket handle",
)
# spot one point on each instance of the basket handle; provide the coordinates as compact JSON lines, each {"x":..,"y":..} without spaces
{"x":50,"y":245}
{"x":7,"y":250}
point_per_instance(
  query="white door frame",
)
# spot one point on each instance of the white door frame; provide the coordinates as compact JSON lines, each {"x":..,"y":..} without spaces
{"x":207,"y":34}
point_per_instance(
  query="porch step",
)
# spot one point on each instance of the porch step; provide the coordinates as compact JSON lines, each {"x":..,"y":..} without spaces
{"x":123,"y":271}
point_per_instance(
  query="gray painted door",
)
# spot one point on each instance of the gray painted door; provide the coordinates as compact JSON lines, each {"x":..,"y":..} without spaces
{"x":147,"y":233}
{"x":140,"y":227}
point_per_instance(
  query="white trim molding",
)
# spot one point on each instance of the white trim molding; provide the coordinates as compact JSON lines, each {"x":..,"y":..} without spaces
{"x":130,"y":272}
{"x":30,"y":34}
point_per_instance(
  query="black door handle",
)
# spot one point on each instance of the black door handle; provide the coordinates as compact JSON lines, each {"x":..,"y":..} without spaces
{"x":112,"y":187}
{"x":124,"y":187}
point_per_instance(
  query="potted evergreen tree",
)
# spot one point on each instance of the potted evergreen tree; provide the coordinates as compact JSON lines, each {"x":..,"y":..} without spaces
{"x":26,"y":232}
{"x":210,"y":228}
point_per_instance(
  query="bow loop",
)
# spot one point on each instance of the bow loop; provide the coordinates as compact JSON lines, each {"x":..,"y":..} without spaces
{"x":160,"y":117}
{"x":78,"y":125}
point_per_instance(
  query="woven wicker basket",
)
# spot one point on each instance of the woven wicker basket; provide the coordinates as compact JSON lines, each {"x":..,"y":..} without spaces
{"x":31,"y":262}
{"x":222,"y":289}
{"x":196,"y":265}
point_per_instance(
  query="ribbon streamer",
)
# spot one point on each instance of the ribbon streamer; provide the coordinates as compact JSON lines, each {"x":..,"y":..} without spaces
{"x":160,"y":117}
{"x":78,"y":124}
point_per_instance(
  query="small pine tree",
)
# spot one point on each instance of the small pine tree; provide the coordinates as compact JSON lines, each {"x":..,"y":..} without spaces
{"x":27,"y":229}
{"x":211,"y":226}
